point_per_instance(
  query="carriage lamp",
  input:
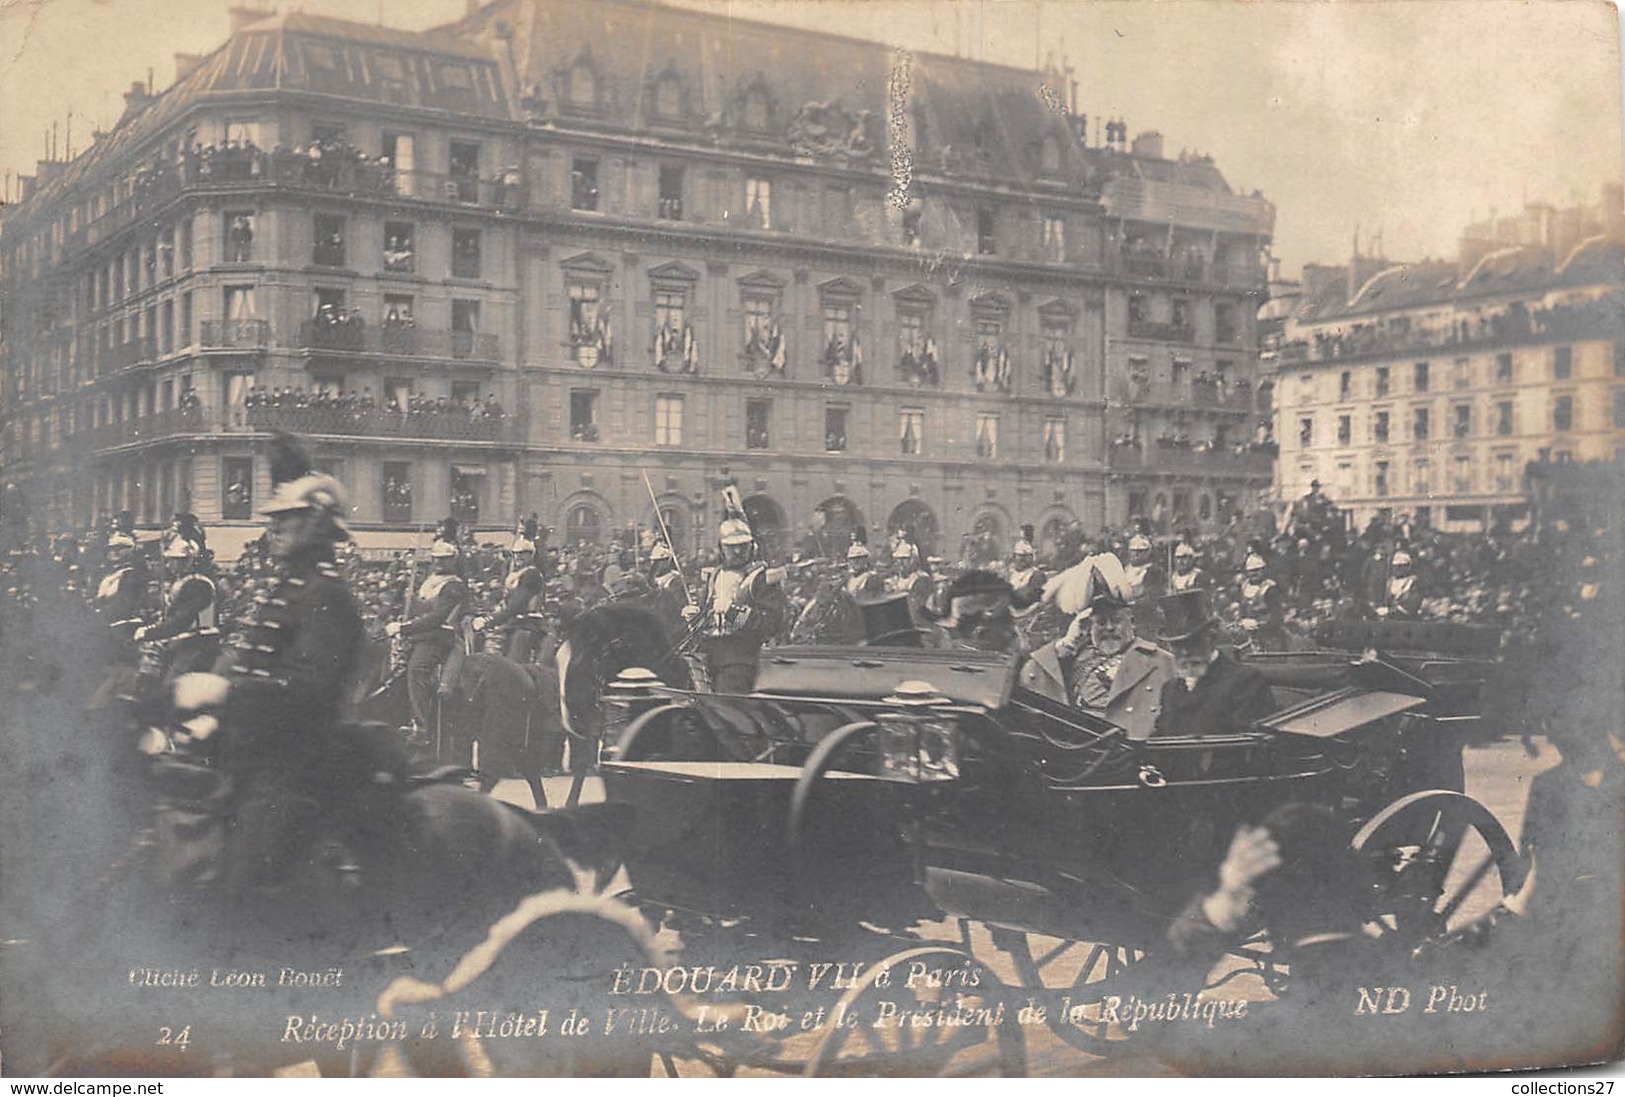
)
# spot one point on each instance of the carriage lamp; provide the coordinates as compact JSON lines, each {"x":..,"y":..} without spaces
{"x":919,"y":737}
{"x":629,"y":694}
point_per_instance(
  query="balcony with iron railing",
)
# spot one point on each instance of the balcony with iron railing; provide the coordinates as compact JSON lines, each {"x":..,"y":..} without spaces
{"x":453,"y":424}
{"x":1194,"y":270}
{"x":350,"y":336}
{"x":234,"y":334}
{"x":1254,"y":459}
{"x":1164,"y":331}
{"x":146,"y":428}
{"x":1603,"y":318}
{"x":1238,"y":396}
{"x":352,"y":176}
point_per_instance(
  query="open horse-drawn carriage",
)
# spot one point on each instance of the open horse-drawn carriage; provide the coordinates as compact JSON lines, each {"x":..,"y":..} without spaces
{"x":965,"y":848}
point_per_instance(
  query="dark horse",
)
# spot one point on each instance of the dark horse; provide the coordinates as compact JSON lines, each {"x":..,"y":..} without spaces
{"x":598,"y":645}
{"x":119,"y":864}
{"x":511,"y":710}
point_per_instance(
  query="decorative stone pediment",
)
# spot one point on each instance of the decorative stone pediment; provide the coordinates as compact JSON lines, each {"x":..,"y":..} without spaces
{"x":916,"y":296}
{"x":588,"y":263}
{"x":674,"y":272}
{"x":990,"y":304}
{"x":762,"y":281}
{"x":1058,"y":311}
{"x":841,"y":289}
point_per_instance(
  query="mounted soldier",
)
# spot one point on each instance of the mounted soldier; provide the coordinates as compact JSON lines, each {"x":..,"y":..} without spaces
{"x":517,"y":627}
{"x":183,"y":638}
{"x":743,"y":604}
{"x":862,"y":583}
{"x":1260,"y":607}
{"x":1402,"y":597}
{"x":913,"y":580}
{"x":122,"y":600}
{"x":281,"y":679}
{"x":667,"y":591}
{"x":1026,"y":578}
{"x":434,"y":631}
{"x":1147,"y":580}
{"x":1187,"y":574}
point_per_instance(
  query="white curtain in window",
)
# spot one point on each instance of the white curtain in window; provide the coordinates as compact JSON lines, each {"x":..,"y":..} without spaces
{"x":240,"y":303}
{"x":405,"y":163}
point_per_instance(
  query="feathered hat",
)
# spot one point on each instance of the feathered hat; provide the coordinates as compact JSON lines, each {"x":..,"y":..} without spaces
{"x":525,"y":536}
{"x":295,"y":485}
{"x":735,"y":528}
{"x":445,"y":542}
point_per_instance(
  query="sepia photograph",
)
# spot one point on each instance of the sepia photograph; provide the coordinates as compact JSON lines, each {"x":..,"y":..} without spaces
{"x":832,"y":538}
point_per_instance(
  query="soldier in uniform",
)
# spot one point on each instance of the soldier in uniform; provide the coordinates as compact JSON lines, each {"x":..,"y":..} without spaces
{"x":1026,"y":578}
{"x":189,"y":607}
{"x":1402,"y":597}
{"x":121,"y":595}
{"x":1187,"y":575}
{"x":861,"y":583}
{"x":281,"y":679}
{"x":913,"y":580}
{"x":1147,"y":579}
{"x":737,"y":616}
{"x":1101,"y":667}
{"x":518,"y":625}
{"x":666,"y":588}
{"x":1260,"y":607}
{"x":433,"y":633}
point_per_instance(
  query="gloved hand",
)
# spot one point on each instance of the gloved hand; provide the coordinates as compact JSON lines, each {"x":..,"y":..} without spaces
{"x":478,"y":624}
{"x":690,"y":613}
{"x":142,"y":633}
{"x":1253,"y":854}
{"x":1076,"y":633}
{"x":1250,"y":624}
{"x":195,"y":691}
{"x":393,"y":629}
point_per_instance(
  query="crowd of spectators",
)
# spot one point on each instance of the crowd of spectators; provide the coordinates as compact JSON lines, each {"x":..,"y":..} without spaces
{"x":349,"y":411}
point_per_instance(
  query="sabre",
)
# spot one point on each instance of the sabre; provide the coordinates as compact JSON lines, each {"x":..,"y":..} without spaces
{"x":660,"y":519}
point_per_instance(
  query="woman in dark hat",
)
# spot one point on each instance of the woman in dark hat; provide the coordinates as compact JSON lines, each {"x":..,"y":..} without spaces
{"x":1211,"y":693}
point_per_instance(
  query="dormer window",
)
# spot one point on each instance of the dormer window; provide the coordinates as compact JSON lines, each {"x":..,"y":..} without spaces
{"x":756,"y":109}
{"x":668,"y":97}
{"x":1049,"y":156}
{"x":583,"y":86}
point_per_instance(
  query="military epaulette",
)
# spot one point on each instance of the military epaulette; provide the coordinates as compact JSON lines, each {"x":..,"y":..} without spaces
{"x":331,"y":571}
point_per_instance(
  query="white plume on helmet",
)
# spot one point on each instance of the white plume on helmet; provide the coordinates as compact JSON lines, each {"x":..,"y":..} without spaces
{"x":1073,"y":589}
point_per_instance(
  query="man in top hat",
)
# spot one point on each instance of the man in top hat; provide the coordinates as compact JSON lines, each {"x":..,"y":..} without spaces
{"x":1187,"y":574}
{"x":742,"y":599}
{"x":1102,"y":667}
{"x":1210,"y":693}
{"x":1402,"y":597}
{"x":442,"y":600}
{"x":519,"y":623}
{"x":979,"y":614}
{"x":862,"y":584}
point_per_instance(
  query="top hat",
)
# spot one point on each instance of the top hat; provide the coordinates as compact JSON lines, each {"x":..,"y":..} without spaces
{"x":1183,"y":616}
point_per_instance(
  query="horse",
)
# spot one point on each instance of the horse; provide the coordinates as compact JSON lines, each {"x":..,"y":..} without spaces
{"x":597,"y":646}
{"x":832,"y":616}
{"x":512,"y":710}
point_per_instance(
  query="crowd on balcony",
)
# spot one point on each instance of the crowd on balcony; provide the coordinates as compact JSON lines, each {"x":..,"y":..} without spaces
{"x":349,"y":411}
{"x":1600,"y":316}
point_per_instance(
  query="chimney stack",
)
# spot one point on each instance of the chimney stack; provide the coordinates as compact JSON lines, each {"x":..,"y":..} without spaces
{"x":135,"y":100}
{"x":1148,"y":145}
{"x":242,"y":16}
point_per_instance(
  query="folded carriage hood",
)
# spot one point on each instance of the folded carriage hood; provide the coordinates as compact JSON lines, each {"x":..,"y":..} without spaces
{"x":871,"y":673}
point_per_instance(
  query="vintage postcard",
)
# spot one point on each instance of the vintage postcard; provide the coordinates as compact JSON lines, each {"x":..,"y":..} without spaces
{"x":810,"y":537}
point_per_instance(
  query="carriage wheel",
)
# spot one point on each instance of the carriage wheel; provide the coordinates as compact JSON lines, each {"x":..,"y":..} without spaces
{"x":1433,"y":855}
{"x":987,"y":1041}
{"x":1100,"y":974}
